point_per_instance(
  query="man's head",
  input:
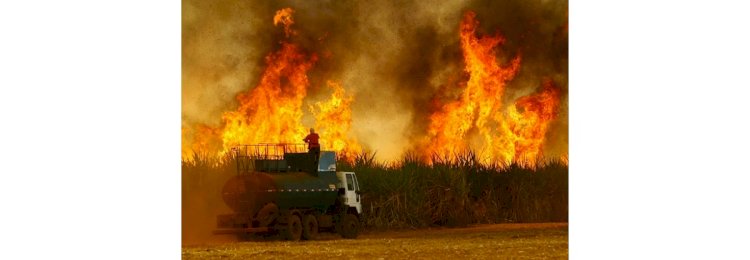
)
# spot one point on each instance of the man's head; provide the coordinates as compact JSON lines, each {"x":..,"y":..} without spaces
{"x":312,"y":130}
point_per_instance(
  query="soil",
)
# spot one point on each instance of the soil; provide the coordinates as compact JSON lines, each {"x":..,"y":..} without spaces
{"x":517,"y":241}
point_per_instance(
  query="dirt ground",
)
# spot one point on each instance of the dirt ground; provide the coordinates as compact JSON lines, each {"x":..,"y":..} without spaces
{"x":504,"y":241}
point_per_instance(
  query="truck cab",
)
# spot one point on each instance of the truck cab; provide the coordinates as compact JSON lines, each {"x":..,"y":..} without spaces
{"x":347,"y":181}
{"x":351,"y":195}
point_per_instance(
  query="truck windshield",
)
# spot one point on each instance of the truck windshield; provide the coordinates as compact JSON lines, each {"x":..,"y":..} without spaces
{"x":349,"y":182}
{"x":327,"y":161}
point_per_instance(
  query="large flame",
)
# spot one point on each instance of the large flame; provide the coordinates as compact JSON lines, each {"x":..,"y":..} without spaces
{"x":333,"y":120}
{"x":529,"y":119}
{"x":272,"y":111}
{"x":480,"y":100}
{"x":476,"y":120}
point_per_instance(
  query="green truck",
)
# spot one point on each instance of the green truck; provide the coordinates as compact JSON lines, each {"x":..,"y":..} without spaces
{"x":282,"y":189}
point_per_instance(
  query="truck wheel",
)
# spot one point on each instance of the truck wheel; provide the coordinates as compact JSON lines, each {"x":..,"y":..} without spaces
{"x":310,"y":227}
{"x":293,"y":230}
{"x":267,"y":214}
{"x":349,"y":226}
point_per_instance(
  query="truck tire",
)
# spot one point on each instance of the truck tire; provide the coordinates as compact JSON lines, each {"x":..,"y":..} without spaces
{"x":349,"y":226}
{"x":267,"y":214}
{"x":310,"y":227}
{"x":293,"y":229}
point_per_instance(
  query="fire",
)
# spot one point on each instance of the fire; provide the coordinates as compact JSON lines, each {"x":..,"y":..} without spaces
{"x":272,"y":111}
{"x":205,"y":141}
{"x":478,"y":117}
{"x":481,"y":97}
{"x":529,"y":119}
{"x":476,"y":120}
{"x":284,"y":16}
{"x":333,"y":121}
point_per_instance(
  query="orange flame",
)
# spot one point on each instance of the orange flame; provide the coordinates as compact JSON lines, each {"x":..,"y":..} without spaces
{"x":272,"y":111}
{"x":480,"y":99}
{"x":530,"y":124}
{"x":284,"y":16}
{"x":476,"y":121}
{"x":333,"y":121}
{"x":205,"y":141}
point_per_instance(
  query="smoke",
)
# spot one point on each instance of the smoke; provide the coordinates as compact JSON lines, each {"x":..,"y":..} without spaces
{"x":201,"y":202}
{"x":393,"y":57}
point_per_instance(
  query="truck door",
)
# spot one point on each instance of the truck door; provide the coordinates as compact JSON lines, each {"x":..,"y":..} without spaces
{"x":352,"y":192}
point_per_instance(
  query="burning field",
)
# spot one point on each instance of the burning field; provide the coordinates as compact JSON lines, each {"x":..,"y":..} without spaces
{"x":430,"y":79}
{"x":450,"y":112}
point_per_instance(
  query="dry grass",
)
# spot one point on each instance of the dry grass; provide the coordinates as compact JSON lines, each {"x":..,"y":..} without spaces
{"x":458,"y":190}
{"x":517,"y":241}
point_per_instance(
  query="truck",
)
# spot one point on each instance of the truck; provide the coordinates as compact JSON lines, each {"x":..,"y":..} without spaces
{"x":281,"y":189}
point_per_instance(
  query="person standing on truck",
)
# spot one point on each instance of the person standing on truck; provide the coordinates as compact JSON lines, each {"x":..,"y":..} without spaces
{"x":313,"y":146}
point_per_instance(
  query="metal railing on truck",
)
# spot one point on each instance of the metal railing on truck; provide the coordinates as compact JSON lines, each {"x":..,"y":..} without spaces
{"x":265,"y":156}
